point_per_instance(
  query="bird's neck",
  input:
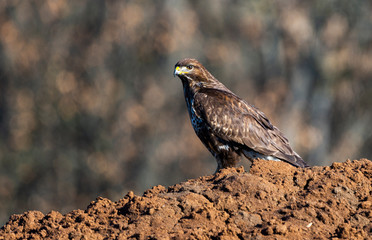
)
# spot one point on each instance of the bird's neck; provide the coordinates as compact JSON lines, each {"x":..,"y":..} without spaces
{"x":189,"y":89}
{"x":192,"y":87}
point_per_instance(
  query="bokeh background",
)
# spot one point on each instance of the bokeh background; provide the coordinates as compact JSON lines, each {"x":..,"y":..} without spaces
{"x":89,"y":106}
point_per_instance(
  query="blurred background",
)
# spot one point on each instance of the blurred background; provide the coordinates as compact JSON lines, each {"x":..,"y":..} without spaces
{"x":89,"y":106}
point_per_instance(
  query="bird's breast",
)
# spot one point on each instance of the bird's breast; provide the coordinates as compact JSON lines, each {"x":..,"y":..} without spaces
{"x":196,"y":122}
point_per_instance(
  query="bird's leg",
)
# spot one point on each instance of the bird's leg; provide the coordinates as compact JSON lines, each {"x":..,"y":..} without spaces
{"x":227,"y":159}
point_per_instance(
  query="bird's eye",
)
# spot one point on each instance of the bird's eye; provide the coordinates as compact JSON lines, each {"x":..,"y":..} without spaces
{"x":190,"y":67}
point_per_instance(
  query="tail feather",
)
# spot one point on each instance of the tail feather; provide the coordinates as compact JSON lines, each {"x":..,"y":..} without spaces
{"x":294,"y":160}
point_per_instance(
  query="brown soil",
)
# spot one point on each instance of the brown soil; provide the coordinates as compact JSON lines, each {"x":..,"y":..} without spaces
{"x":273,"y":201}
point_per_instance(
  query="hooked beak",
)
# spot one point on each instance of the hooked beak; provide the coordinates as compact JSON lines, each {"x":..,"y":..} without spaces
{"x":178,"y":71}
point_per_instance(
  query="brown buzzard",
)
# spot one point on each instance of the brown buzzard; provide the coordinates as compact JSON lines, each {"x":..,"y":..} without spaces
{"x":226,"y":124}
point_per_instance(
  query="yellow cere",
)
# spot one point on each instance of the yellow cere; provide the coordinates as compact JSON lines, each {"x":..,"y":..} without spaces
{"x":180,"y":70}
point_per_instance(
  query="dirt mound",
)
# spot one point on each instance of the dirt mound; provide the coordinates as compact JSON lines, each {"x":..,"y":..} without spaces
{"x":274,"y":200}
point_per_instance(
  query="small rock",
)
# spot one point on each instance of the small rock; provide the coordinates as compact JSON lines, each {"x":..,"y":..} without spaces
{"x":280,"y":229}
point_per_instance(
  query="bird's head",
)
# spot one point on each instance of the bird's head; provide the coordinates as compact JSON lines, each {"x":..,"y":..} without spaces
{"x":193,"y":73}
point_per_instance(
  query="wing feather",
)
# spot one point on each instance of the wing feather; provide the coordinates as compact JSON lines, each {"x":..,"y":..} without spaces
{"x":234,"y":120}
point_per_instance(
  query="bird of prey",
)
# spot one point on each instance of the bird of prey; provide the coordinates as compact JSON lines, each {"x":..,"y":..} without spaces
{"x":227,"y":125}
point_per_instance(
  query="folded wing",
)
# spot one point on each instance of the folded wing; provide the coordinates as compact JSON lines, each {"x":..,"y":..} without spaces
{"x":233,"y":120}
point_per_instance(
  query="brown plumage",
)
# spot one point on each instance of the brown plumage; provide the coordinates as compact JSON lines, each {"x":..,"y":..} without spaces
{"x":226,"y":124}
